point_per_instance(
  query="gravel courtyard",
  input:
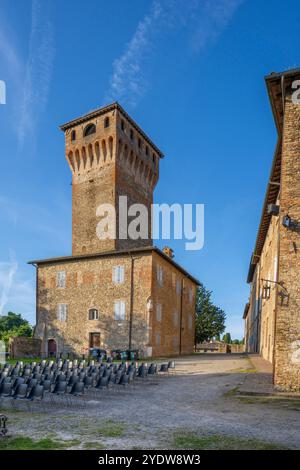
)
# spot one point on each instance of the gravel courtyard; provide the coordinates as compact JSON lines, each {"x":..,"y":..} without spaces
{"x":200,"y":400}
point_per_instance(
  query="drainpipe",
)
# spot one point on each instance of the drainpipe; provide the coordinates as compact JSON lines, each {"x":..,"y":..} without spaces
{"x":180,"y":322}
{"x":131,"y":300}
{"x":278,"y":234}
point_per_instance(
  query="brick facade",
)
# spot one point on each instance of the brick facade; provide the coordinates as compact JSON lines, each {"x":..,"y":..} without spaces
{"x":150,"y":304}
{"x":272,"y":321}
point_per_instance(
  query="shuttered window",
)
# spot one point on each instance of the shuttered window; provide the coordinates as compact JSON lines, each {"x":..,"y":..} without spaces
{"x":120,"y":311}
{"x":61,"y":279}
{"x":158,"y":312}
{"x":118,"y":274}
{"x":159,"y":275}
{"x":62,"y":312}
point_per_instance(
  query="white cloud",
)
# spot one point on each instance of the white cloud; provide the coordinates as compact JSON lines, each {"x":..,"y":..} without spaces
{"x":204,"y":19}
{"x":7,"y":274}
{"x":38,"y":70}
{"x":126,"y":80}
{"x":8,"y":52}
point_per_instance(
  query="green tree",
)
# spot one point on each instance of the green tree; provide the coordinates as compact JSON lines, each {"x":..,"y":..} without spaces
{"x":12,"y":325}
{"x":227,"y":338}
{"x":210,"y":320}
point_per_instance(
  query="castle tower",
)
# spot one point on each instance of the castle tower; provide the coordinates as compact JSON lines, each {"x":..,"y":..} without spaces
{"x":109,"y":156}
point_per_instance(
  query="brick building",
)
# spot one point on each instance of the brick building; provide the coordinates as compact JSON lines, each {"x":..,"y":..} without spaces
{"x":272,"y":315}
{"x":113,"y":293}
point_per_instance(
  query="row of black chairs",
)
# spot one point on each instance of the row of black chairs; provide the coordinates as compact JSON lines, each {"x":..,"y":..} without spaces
{"x":71,"y":379}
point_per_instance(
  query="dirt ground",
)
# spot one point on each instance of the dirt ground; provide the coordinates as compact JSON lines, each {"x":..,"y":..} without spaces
{"x":201,"y":399}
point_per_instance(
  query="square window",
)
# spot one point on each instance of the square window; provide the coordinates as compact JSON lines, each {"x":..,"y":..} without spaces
{"x":62,"y":312}
{"x":61,"y":279}
{"x":159,"y":275}
{"x":118,"y":274}
{"x":158,"y":312}
{"x":93,"y":314}
{"x":119,"y":310}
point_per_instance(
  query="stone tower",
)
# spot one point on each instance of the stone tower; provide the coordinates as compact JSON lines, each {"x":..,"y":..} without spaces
{"x":109,"y":156}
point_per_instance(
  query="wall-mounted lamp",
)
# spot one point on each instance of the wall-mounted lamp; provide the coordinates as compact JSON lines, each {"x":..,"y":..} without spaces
{"x":266,"y":293}
{"x":282,"y":293}
{"x":290,"y":223}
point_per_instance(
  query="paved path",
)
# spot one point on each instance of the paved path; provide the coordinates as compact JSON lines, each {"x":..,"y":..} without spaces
{"x":200,"y":398}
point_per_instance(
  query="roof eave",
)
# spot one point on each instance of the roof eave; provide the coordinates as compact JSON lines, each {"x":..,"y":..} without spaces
{"x":106,"y":109}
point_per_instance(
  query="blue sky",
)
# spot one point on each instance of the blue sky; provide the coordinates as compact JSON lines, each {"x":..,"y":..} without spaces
{"x":191,"y":73}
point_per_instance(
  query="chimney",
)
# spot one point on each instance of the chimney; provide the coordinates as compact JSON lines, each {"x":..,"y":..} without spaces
{"x":168,"y":251}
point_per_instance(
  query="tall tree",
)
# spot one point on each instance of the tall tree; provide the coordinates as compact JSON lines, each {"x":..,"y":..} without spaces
{"x":12,"y":325}
{"x":227,"y":338}
{"x":210,"y":319}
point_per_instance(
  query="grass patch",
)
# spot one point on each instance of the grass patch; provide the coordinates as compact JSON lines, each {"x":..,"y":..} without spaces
{"x":190,"y":440}
{"x":26,"y":443}
{"x":277,"y":402}
{"x":93,"y":445}
{"x":232,"y":392}
{"x":111,"y":429}
{"x":244,"y":371}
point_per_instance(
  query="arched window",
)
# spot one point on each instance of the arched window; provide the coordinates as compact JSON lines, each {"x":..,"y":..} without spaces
{"x":106,"y":122}
{"x":73,"y":135}
{"x":90,"y":129}
{"x":93,"y":314}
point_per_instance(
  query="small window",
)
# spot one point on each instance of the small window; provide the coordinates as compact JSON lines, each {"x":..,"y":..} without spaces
{"x":93,"y":314}
{"x":122,"y":125}
{"x":62,"y":312}
{"x":61,"y":279}
{"x":159,"y":275}
{"x":178,"y":287}
{"x":140,"y":143}
{"x":153,"y":158}
{"x":158,"y":339}
{"x":147,"y":150}
{"x":175,"y":318}
{"x":119,"y":310}
{"x":131,"y":134}
{"x":118,"y":274}
{"x":73,"y":135}
{"x":89,"y":129}
{"x":106,"y":122}
{"x":158,"y":312}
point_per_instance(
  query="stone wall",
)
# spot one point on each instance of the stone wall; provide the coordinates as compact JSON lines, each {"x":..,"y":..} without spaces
{"x":22,"y":346}
{"x":287,"y":341}
{"x":176,"y":329}
{"x":89,"y":284}
{"x":268,"y":271}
